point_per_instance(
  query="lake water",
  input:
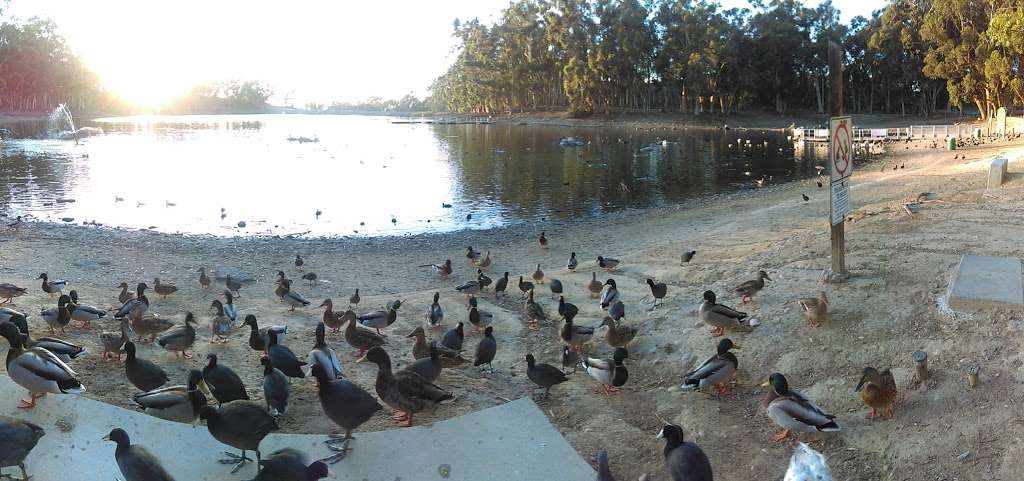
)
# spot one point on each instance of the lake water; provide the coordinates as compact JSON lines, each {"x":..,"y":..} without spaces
{"x":177,"y":173}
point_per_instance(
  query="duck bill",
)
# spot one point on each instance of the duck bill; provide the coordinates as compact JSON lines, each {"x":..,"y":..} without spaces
{"x":736,"y":347}
{"x":106,"y":438}
{"x":322,"y":304}
{"x":766,"y":384}
{"x":860,"y":385}
{"x":661,"y":434}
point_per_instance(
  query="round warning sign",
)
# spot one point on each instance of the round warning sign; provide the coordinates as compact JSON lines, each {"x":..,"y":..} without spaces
{"x":840,"y":148}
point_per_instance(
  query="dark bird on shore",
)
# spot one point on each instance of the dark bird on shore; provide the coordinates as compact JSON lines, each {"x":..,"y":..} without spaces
{"x":259,"y":338}
{"x":429,"y":367}
{"x":142,"y":373}
{"x":819,"y":184}
{"x":240,"y":424}
{"x":543,"y":240}
{"x":163,"y":289}
{"x":233,"y":285}
{"x":299,"y":262}
{"x":556,"y":287}
{"x":501,"y":285}
{"x":17,"y":439}
{"x":658,"y":290}
{"x":469,"y":217}
{"x":751,"y":287}
{"x":318,"y":213}
{"x":543,"y":375}
{"x":283,"y":357}
{"x":902,"y":166}
{"x":570,"y":358}
{"x":404,"y":391}
{"x":311,"y":277}
{"x":204,"y":280}
{"x":604,"y":473}
{"x":486,"y":349}
{"x":52,"y":287}
{"x":687,"y":257}
{"x":565,"y":309}
{"x":290,"y":464}
{"x":525,"y":286}
{"x":134,"y":461}
{"x":607,"y":263}
{"x":354,"y":299}
{"x":276,"y":388}
{"x":453,"y":338}
{"x":685,"y":461}
{"x":224,"y":384}
{"x":805,"y":197}
{"x":483,"y":280}
{"x":346,"y":404}
{"x":573,"y":263}
{"x":180,"y":339}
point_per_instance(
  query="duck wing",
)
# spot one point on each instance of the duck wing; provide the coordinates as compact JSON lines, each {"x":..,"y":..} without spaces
{"x":48,"y":366}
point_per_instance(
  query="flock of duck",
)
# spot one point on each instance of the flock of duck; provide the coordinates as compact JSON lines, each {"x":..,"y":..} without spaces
{"x":43,"y":365}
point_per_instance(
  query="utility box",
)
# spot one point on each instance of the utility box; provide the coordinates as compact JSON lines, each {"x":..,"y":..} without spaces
{"x":997,"y":172}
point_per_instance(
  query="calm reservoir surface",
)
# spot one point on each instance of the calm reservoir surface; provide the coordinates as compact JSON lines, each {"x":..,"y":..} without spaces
{"x":176,"y":173}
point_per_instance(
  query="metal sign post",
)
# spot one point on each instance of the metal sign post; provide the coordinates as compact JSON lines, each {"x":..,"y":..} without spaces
{"x":840,"y":154}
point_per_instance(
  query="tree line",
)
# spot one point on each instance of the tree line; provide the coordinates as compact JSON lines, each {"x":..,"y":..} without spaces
{"x":38,"y":71}
{"x":693,"y":56}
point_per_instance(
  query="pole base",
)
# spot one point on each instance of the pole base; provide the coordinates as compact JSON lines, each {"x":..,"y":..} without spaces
{"x":830,"y":277}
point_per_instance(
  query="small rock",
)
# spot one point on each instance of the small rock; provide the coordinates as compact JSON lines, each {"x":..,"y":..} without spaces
{"x":67,"y":219}
{"x":241,"y":224}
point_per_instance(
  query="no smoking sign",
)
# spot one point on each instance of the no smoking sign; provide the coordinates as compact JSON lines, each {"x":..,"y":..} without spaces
{"x":840,"y":149}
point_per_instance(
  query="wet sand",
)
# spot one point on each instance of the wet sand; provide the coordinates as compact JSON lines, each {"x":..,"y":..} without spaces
{"x":890,"y":308}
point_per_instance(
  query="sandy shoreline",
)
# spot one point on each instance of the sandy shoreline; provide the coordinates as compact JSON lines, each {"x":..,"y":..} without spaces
{"x":889,"y":309}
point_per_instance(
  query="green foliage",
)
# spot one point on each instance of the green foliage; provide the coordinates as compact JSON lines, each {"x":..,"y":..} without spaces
{"x":692,"y":56}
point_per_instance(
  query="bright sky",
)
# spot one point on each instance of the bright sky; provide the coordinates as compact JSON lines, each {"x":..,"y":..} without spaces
{"x":149,"y":51}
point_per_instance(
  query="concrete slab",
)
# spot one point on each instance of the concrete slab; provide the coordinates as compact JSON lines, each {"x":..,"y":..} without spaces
{"x":997,"y":172}
{"x":983,"y":282}
{"x":510,"y":442}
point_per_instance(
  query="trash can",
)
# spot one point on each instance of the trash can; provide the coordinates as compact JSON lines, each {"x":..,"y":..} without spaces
{"x":951,"y":143}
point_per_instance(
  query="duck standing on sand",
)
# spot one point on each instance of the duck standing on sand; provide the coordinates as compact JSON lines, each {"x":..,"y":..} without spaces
{"x":83,"y":313}
{"x":878,"y":391}
{"x":37,"y":370}
{"x":611,"y":373}
{"x":534,"y":313}
{"x":163,"y":289}
{"x":573,"y":263}
{"x":618,"y":335}
{"x":543,"y":240}
{"x":323,"y":355}
{"x":716,"y":372}
{"x":484,"y":262}
{"x":815,"y":309}
{"x":181,"y":338}
{"x":472,"y":255}
{"x":204,"y":280}
{"x":64,"y":350}
{"x":220,"y":325}
{"x":52,"y":287}
{"x":501,"y":285}
{"x":404,"y":391}
{"x":538,"y":275}
{"x":57,"y":317}
{"x":292,"y":298}
{"x":435,"y":314}
{"x":299,"y":262}
{"x":794,"y":412}
{"x":610,"y":294}
{"x":595,"y":286}
{"x":174,"y":403}
{"x":361,"y":339}
{"x":751,"y":287}
{"x":234,"y":286}
{"x":379,"y":319}
{"x":442,"y":270}
{"x":721,"y":317}
{"x":113,"y":342}
{"x":331,"y":319}
{"x":607,"y":263}
{"x":9,"y":291}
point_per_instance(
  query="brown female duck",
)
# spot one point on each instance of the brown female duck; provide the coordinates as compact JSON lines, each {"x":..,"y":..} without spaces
{"x":404,"y":391}
{"x":618,"y":336}
{"x":361,"y":339}
{"x":163,"y":289}
{"x":878,"y":391}
{"x":421,"y":350}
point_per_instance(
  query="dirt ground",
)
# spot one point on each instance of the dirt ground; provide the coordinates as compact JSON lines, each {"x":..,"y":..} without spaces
{"x":892,"y":306}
